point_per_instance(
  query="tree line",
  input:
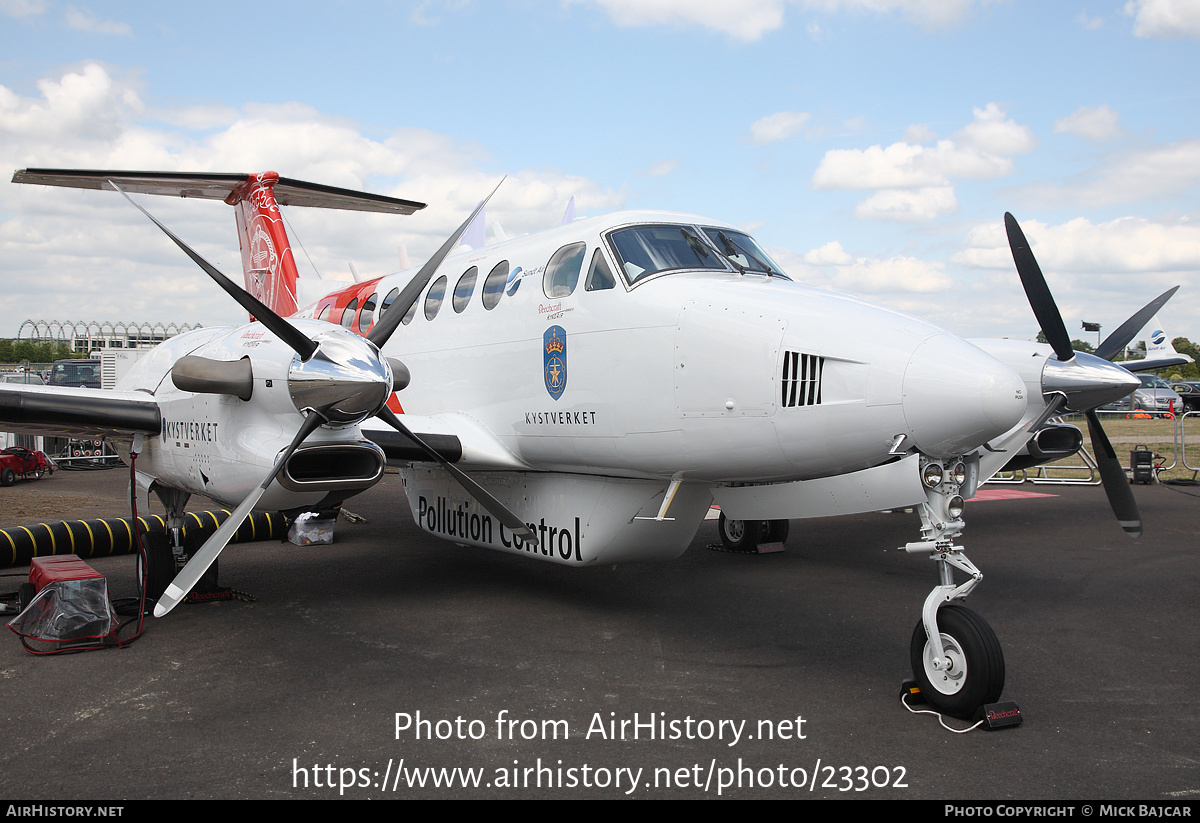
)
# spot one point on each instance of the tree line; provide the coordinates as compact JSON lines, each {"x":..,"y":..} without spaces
{"x":28,"y":351}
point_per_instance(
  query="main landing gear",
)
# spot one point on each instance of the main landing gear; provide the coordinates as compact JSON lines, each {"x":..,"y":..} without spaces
{"x":747,"y":535}
{"x":956,"y":658}
{"x":168,"y":552}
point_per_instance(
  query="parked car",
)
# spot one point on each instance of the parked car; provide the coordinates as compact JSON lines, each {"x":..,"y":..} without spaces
{"x":1154,"y":396}
{"x":83,"y":373}
{"x":27,"y":378}
{"x":24,"y":463}
{"x":1190,"y":392}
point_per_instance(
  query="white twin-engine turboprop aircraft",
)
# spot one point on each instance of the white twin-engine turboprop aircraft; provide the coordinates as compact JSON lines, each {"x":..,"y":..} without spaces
{"x":583,"y":395}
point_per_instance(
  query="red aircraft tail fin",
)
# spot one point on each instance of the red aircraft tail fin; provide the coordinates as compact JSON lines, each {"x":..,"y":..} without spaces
{"x":267,"y":261}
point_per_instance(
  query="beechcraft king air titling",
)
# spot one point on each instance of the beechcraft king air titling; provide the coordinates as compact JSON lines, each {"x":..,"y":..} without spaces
{"x":583,"y":395}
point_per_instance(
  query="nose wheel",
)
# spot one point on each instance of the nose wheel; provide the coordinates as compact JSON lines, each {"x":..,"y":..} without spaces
{"x":973,"y":670}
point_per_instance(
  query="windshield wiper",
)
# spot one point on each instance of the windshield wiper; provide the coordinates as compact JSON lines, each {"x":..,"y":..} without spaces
{"x":732,"y":247}
{"x":698,"y":246}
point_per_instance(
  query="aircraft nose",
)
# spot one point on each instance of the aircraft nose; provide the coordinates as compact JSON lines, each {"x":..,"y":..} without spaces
{"x":957,"y":397}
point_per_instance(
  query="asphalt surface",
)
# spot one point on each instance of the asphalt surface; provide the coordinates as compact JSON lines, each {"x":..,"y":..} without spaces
{"x":286,"y":696}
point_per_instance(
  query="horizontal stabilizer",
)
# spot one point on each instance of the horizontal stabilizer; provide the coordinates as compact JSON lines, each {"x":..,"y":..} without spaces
{"x":210,"y":186}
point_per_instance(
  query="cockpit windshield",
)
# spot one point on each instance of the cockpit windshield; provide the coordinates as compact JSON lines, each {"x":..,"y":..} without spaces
{"x":647,"y":250}
{"x":652,"y":249}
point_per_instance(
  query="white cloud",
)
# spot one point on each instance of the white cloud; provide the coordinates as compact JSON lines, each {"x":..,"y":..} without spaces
{"x":928,"y":13}
{"x":1148,"y":174}
{"x":908,"y":205}
{"x":979,"y":151}
{"x":22,"y":8}
{"x":84,"y":20}
{"x":1089,"y":23}
{"x":993,"y":133}
{"x":831,"y":254}
{"x":750,"y":20}
{"x":660,"y":169}
{"x":1092,"y":123}
{"x":1125,"y":245}
{"x":831,"y":266}
{"x":895,"y":274}
{"x":85,"y":104}
{"x":919,"y":133}
{"x":982,"y":149}
{"x":897,"y":166}
{"x":781,"y":125}
{"x":747,"y":20}
{"x":1164,"y":18}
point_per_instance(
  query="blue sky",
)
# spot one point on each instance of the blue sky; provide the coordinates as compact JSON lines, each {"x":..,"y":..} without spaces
{"x":872,"y":145}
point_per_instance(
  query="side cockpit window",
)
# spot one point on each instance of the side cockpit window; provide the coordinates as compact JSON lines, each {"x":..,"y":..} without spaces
{"x":599,"y":277}
{"x":562,"y":272}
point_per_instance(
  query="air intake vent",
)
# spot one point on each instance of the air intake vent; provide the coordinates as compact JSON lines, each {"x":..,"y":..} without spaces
{"x":801,"y":379}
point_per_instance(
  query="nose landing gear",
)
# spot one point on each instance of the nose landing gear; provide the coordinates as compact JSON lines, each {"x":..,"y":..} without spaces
{"x":956,"y":658}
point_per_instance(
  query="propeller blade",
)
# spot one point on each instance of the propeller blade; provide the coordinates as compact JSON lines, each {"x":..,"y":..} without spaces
{"x":1116,"y":342}
{"x":1040,"y":298}
{"x":190,"y":574}
{"x":493,"y":506}
{"x":390,"y":320}
{"x":284,"y":330}
{"x":1116,"y":485}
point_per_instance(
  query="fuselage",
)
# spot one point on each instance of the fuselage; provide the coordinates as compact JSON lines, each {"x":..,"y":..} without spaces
{"x":697,"y":368}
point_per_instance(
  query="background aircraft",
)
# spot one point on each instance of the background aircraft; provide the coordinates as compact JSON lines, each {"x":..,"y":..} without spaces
{"x":603,"y":383}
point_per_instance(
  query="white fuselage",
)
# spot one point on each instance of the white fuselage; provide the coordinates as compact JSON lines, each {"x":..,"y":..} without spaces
{"x":684,"y":372}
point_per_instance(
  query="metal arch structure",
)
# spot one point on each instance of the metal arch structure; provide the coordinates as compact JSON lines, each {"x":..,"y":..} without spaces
{"x":132,"y":334}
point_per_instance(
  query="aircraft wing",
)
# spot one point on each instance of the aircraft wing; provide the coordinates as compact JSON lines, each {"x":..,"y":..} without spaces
{"x":71,"y":412}
{"x":1152,"y":364}
{"x":456,"y":436}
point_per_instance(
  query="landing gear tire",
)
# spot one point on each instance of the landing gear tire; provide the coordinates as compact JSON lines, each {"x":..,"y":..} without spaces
{"x":740,"y":535}
{"x":193,"y":541}
{"x":160,"y":565}
{"x":976,"y":673}
{"x":776,"y":531}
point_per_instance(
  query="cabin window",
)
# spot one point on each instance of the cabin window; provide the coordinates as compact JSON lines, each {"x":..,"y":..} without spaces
{"x":435,"y":297}
{"x":324,"y":315}
{"x":367,"y":314}
{"x":562,"y":272}
{"x":348,"y":313}
{"x":646,"y":250}
{"x":599,"y":277}
{"x":387,"y":301}
{"x":493,"y":286}
{"x":464,"y":289}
